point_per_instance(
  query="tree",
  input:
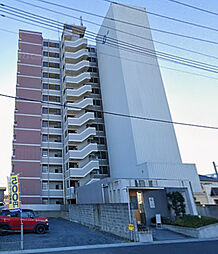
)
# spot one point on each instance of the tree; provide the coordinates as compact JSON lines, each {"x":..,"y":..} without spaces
{"x":177,"y":203}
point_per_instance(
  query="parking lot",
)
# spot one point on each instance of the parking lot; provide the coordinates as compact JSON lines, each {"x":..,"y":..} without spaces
{"x":62,"y":233}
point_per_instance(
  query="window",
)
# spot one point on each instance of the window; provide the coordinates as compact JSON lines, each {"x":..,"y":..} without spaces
{"x":45,"y":97}
{"x":44,"y":185}
{"x":45,"y":138}
{"x":45,"y":43}
{"x":98,"y":114}
{"x":44,"y":110}
{"x":44,"y":123}
{"x":58,"y":111}
{"x":28,"y":214}
{"x":58,"y":139}
{"x":44,"y":153}
{"x":45,"y":86}
{"x":54,"y":65}
{"x":45,"y":64}
{"x":101,"y":141}
{"x":97,"y":102}
{"x":96,"y":90}
{"x":58,"y":125}
{"x":44,"y":168}
{"x":45,"y":53}
{"x":45,"y":75}
{"x":58,"y":170}
{"x":52,"y":54}
{"x":73,"y":165}
{"x":100,"y":127}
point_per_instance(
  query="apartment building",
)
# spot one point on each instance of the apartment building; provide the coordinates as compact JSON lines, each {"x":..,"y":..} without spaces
{"x":59,"y":135}
{"x":63,"y":142}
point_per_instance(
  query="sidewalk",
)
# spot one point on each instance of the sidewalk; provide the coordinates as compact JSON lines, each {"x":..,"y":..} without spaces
{"x":160,"y":234}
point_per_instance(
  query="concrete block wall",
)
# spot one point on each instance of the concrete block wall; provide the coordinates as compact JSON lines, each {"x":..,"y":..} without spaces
{"x":112,"y":218}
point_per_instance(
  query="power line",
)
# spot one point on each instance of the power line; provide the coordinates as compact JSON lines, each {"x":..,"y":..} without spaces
{"x":164,"y":16}
{"x":121,"y":47}
{"x":163,"y":56}
{"x":114,"y":113}
{"x":8,"y":31}
{"x":164,"y":67}
{"x":133,"y":60}
{"x":194,"y":7}
{"x":118,"y":30}
{"x":125,"y":22}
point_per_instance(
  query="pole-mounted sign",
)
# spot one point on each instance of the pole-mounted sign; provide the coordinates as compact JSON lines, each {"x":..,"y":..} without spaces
{"x":14,"y":192}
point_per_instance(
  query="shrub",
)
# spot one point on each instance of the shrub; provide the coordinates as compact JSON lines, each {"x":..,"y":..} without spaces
{"x":194,"y":221}
{"x":177,"y":203}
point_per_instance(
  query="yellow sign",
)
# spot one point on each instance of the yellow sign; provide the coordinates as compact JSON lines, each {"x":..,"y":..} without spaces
{"x":131,"y":227}
{"x":14,"y":193}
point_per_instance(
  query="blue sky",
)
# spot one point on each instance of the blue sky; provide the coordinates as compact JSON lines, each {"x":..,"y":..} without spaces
{"x":192,"y":98}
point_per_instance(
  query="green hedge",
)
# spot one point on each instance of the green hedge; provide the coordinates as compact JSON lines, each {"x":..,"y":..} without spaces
{"x":191,"y":221}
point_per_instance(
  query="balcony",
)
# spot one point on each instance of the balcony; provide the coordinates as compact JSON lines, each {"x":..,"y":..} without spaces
{"x":52,"y":176}
{"x":80,"y":79}
{"x":52,"y":160}
{"x":72,"y":93}
{"x":82,"y":172}
{"x":75,"y":45}
{"x":50,"y":130}
{"x":79,"y":121}
{"x":75,"y":69}
{"x":52,"y":193}
{"x":75,"y":57}
{"x":51,"y":59}
{"x":52,"y":145}
{"x":52,"y":104}
{"x":51,"y":92}
{"x":83,"y":153}
{"x":80,"y":137}
{"x":51,"y":117}
{"x":51,"y":70}
{"x":77,"y":106}
{"x":51,"y":81}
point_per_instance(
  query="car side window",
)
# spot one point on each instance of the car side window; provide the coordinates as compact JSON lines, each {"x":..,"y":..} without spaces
{"x":25,"y":214}
{"x":15,"y":214}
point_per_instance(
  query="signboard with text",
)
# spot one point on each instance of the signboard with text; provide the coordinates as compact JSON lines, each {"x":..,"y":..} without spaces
{"x":14,"y":192}
{"x":131,"y":227}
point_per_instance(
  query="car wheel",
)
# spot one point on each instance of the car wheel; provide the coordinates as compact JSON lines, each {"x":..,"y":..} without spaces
{"x":40,"y":229}
{"x":4,"y":230}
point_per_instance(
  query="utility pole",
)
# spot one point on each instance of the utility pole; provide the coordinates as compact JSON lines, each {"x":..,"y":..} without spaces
{"x":215,"y":168}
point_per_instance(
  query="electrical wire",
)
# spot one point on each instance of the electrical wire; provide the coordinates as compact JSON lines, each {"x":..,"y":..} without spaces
{"x":118,"y":30}
{"x":194,"y":7}
{"x":164,"y":16}
{"x":113,"y":113}
{"x":133,"y":47}
{"x":127,"y":23}
{"x":133,"y":60}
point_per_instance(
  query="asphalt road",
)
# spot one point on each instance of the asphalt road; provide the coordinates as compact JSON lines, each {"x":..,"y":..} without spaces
{"x":201,"y":247}
{"x":62,"y":233}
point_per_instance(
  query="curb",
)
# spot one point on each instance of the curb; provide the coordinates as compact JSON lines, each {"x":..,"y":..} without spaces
{"x":103,"y":246}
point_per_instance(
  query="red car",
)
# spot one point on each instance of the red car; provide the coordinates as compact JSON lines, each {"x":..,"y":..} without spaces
{"x":11,"y":221}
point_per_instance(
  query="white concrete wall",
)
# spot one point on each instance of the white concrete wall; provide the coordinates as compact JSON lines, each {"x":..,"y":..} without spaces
{"x":131,"y":84}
